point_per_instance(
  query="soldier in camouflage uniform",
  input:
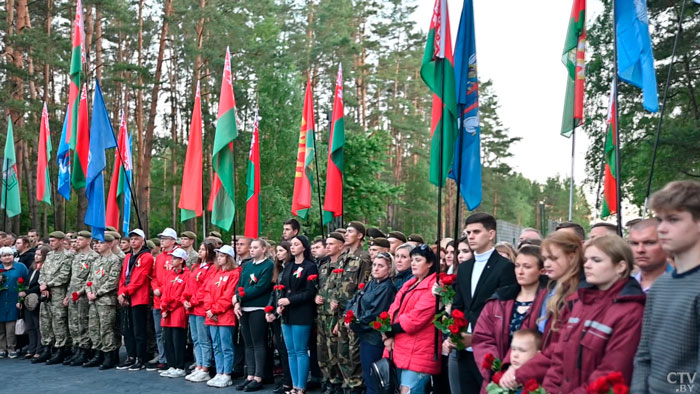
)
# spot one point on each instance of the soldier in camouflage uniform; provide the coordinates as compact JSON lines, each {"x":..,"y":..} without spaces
{"x":187,"y":240}
{"x":53,"y":319}
{"x":116,"y":250}
{"x":78,"y":306}
{"x":101,"y":289}
{"x":356,"y":267}
{"x":327,"y":341}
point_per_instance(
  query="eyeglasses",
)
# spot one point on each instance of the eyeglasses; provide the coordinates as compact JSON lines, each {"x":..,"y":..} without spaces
{"x":384,"y":255}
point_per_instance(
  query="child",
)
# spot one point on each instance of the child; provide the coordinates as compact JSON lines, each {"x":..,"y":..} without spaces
{"x":524,"y":346}
{"x":173,"y":317}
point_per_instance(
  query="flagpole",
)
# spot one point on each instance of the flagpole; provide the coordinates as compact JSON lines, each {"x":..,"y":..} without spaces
{"x":318,"y":185}
{"x":439,"y":64}
{"x":616,"y":130}
{"x":600,"y":181}
{"x":663,"y":109}
{"x":460,"y":109}
{"x":5,"y":176}
{"x":571,"y":180}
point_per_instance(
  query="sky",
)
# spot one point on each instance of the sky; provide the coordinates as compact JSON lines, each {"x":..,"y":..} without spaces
{"x":519,"y":46}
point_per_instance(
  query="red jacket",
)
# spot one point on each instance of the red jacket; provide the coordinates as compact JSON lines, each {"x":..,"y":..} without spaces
{"x":137,"y":288}
{"x":600,"y":336}
{"x":161,"y":266}
{"x":413,"y":310}
{"x":195,"y":289}
{"x":171,"y":300}
{"x":221,"y":286}
{"x":492,"y":331}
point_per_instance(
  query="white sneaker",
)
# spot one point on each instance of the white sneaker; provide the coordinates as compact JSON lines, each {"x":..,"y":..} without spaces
{"x":177,"y":373}
{"x":166,"y":372}
{"x":224,"y":381}
{"x":192,"y":374}
{"x":212,"y":382}
{"x":201,"y":376}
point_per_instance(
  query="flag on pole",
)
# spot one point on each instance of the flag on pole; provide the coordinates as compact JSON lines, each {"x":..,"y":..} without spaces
{"x":437,"y":71}
{"x":635,"y":58}
{"x":74,"y":104}
{"x":190,"y":203}
{"x":610,"y":177}
{"x":573,"y":58}
{"x":9,"y":200}
{"x":303,"y":178}
{"x":333,"y":201}
{"x":124,"y":184}
{"x":101,"y":139}
{"x":80,"y":144}
{"x":43,"y":184}
{"x":252,"y":180}
{"x":63,"y":160}
{"x":222,"y":198}
{"x":467,"y":92}
{"x":116,"y":185}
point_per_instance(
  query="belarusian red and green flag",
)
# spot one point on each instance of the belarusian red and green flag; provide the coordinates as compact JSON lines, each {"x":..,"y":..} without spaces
{"x":9,"y":197}
{"x":333,"y":201}
{"x":252,"y":181}
{"x":438,"y":73}
{"x":43,"y":185}
{"x":75,"y":107}
{"x":118,"y":185}
{"x":303,"y":177}
{"x":190,"y":203}
{"x":80,"y":144}
{"x":573,"y":58}
{"x":222,"y":198}
{"x":610,"y":177}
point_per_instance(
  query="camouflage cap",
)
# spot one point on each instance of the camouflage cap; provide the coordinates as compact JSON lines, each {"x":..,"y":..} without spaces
{"x":150,"y":244}
{"x":108,"y":236}
{"x":57,"y":235}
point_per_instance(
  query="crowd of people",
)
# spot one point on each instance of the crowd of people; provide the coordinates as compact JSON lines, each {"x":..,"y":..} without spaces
{"x":565,"y":313}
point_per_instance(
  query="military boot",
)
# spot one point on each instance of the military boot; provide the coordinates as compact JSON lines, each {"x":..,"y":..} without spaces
{"x":95,"y":361}
{"x":81,"y":358}
{"x":74,"y":354}
{"x":109,"y":361}
{"x":58,"y":356}
{"x":45,"y":355}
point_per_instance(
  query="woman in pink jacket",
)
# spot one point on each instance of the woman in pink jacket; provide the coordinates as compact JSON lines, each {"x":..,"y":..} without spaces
{"x":412,"y":334}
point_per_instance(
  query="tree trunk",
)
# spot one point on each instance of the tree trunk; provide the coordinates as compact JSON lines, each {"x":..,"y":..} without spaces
{"x":98,"y":43}
{"x":144,"y":173}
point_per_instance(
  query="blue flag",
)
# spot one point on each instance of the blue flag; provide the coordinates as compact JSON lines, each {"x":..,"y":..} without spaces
{"x":466,"y":166}
{"x":101,"y":139}
{"x":63,"y":161}
{"x":635,"y":60}
{"x":126,"y":209}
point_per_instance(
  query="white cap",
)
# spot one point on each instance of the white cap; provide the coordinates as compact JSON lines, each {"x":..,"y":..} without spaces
{"x":179,"y":253}
{"x":168,"y":232}
{"x":226,"y":249}
{"x":137,"y":232}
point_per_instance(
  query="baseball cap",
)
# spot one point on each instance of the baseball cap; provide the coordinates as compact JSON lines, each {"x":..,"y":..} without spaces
{"x":169,"y":233}
{"x":226,"y":249}
{"x":179,"y":253}
{"x":137,"y":232}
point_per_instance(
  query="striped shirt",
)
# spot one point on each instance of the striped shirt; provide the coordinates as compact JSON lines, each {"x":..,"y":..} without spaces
{"x":667,"y":357}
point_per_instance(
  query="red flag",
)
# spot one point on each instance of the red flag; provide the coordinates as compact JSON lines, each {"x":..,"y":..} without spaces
{"x":120,"y":160}
{"x":82,"y":144}
{"x":191,"y":192}
{"x":43,"y":187}
{"x":333,"y":201}
{"x":252,"y":212}
{"x":301,"y":200}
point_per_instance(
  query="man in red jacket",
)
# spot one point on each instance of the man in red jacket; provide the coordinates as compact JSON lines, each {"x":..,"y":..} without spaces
{"x":134,"y":299}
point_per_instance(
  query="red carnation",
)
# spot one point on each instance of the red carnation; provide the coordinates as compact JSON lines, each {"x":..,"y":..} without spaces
{"x":615,"y":378}
{"x":89,"y":284}
{"x":488,"y":361}
{"x":338,"y":271}
{"x":269,"y":309}
{"x":20,"y":280}
{"x":620,"y":388}
{"x":349,"y":316}
{"x":457,"y":314}
{"x":497,"y":377}
{"x":75,"y":296}
{"x":361,"y":286}
{"x":447,"y":279}
{"x":384,"y":315}
{"x":376,"y":325}
{"x":600,"y":385}
{"x":312,"y":277}
{"x":454,"y":329}
{"x":531,"y":385}
{"x":350,"y":313}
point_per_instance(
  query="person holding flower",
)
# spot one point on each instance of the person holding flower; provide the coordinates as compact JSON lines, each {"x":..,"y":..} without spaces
{"x":297,"y":308}
{"x":254,"y":289}
{"x":10,"y":272}
{"x":371,"y":301}
{"x":283,"y":257}
{"x":604,"y":321}
{"x":411,"y":338}
{"x":31,"y":299}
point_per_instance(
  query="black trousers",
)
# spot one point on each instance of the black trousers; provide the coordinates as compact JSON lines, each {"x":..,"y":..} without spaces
{"x":134,"y":330}
{"x":253,"y":329}
{"x":282,"y":350}
{"x":470,"y":376}
{"x":238,"y":352}
{"x":314,"y":369}
{"x":174,"y":341}
{"x":31,"y":319}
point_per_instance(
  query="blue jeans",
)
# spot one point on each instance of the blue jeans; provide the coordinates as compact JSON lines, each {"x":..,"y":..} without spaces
{"x":159,"y":336}
{"x":415,"y":381}
{"x":201,"y":340}
{"x":368,"y":355}
{"x":297,"y":340}
{"x":222,"y":339}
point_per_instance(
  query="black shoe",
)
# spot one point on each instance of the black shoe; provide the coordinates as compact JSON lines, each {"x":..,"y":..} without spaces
{"x":81,"y":358}
{"x":150,"y":367}
{"x":127,"y":363}
{"x":281,"y":389}
{"x":242,"y":386}
{"x":137,"y":366}
{"x":95,"y":361}
{"x":45,"y":355}
{"x":313,"y":384}
{"x":74,"y":354}
{"x":58,"y":356}
{"x":109,"y":361}
{"x":254,"y":385}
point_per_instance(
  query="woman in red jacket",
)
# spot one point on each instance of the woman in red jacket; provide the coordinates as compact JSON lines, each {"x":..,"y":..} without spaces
{"x":604,"y":321}
{"x":194,"y":305}
{"x":173,"y":316}
{"x":508,"y":308}
{"x":220,"y":316}
{"x":412,"y":335}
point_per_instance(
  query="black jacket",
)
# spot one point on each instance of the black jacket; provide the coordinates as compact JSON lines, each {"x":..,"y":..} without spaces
{"x":301,"y":293}
{"x":401,"y":278}
{"x":498,"y":272}
{"x":368,"y":303}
